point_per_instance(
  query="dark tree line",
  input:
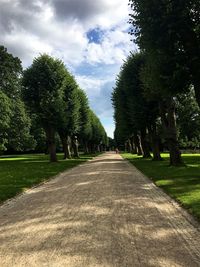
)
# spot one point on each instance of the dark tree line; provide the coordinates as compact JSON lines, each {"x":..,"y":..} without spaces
{"x":154,"y":94}
{"x":43,"y":106}
{"x":140,"y":124}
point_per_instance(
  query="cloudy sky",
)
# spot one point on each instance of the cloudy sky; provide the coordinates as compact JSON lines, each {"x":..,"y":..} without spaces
{"x":90,"y":36}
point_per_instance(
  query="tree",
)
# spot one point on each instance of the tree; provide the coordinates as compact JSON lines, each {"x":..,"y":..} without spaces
{"x":75,"y":121}
{"x":123,"y":129}
{"x":98,"y":133}
{"x":5,"y":114}
{"x":84,"y":133}
{"x":69,"y":123}
{"x":138,"y":109}
{"x":15,"y":122}
{"x":188,"y":117}
{"x":19,"y":137}
{"x":133,"y":113}
{"x":183,"y":21}
{"x":167,"y":72}
{"x":10,"y":72}
{"x":44,"y":83}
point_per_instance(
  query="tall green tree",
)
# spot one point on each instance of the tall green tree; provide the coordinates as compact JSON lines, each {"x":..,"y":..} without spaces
{"x":84,"y":133}
{"x":123,"y":129}
{"x":5,"y":115}
{"x":132,"y":111}
{"x":69,"y":124}
{"x":182,"y":18}
{"x":44,"y":83}
{"x":16,"y":135}
{"x":98,"y":133}
{"x":167,"y":71}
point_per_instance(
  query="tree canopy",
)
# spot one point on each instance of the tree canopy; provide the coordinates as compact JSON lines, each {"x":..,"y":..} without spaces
{"x":41,"y":103}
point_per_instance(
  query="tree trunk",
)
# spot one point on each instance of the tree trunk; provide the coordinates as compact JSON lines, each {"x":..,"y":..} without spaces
{"x":68,"y":150}
{"x":47,"y":149}
{"x":144,"y":143}
{"x":86,"y":149}
{"x":155,"y":143}
{"x":75,"y":147}
{"x":125,"y":147}
{"x":98,"y":148}
{"x":169,"y":125}
{"x":66,"y":146}
{"x":50,"y":135}
{"x":129,"y":146}
{"x":93,"y":149}
{"x":133,"y":147}
{"x":138,"y":145}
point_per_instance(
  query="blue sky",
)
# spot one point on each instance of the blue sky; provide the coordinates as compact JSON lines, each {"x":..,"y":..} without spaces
{"x":91,"y":37}
{"x":95,"y":35}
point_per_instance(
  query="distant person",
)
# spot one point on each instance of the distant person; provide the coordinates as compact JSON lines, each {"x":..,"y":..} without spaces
{"x":117,"y":151}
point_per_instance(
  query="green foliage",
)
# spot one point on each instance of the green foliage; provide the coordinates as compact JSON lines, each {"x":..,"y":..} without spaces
{"x":5,"y":114}
{"x":188,"y":117}
{"x":84,"y":123}
{"x":69,"y":124}
{"x":10,"y":72}
{"x":54,"y":103}
{"x":168,"y":31}
{"x":44,"y":92}
{"x":122,"y":127}
{"x":14,"y":120}
{"x":44,"y":83}
{"x":19,"y":137}
{"x":97,"y":129}
{"x":38,"y":133}
{"x":132,"y":111}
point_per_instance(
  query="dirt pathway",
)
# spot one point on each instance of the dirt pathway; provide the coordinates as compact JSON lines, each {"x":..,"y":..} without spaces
{"x":102,"y":213}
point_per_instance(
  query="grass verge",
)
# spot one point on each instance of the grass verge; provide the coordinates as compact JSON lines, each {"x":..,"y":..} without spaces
{"x":181,"y":183}
{"x":19,"y":172}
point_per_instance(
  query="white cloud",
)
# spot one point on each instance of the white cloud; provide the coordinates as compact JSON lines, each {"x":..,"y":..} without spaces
{"x":91,"y":85}
{"x":59,"y":27}
{"x":39,"y":25}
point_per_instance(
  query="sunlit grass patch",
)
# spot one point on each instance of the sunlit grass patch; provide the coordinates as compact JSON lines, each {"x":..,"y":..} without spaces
{"x":19,"y":172}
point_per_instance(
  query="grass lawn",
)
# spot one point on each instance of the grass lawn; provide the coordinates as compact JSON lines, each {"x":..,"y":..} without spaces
{"x":181,"y":183}
{"x":19,"y":172}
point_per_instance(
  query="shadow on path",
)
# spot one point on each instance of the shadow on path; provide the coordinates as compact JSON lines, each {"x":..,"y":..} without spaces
{"x":103,"y":213}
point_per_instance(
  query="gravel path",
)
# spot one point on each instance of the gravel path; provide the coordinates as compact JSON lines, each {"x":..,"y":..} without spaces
{"x":102,"y":213}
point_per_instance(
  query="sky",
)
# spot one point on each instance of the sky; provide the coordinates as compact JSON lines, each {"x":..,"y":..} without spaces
{"x":91,"y":37}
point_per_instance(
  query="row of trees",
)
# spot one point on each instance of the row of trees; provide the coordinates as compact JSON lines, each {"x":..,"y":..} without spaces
{"x":138,"y":119}
{"x":43,"y":104}
{"x":155,"y":88}
{"x":14,"y":120}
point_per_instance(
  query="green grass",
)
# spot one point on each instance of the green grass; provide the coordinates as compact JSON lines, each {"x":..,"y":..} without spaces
{"x":181,"y":183}
{"x":19,"y":172}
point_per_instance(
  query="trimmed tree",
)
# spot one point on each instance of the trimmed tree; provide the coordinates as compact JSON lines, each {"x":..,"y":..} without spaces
{"x":44,"y":83}
{"x":167,"y":72}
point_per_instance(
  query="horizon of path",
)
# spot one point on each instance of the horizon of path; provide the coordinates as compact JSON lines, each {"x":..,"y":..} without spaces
{"x":103,"y":213}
